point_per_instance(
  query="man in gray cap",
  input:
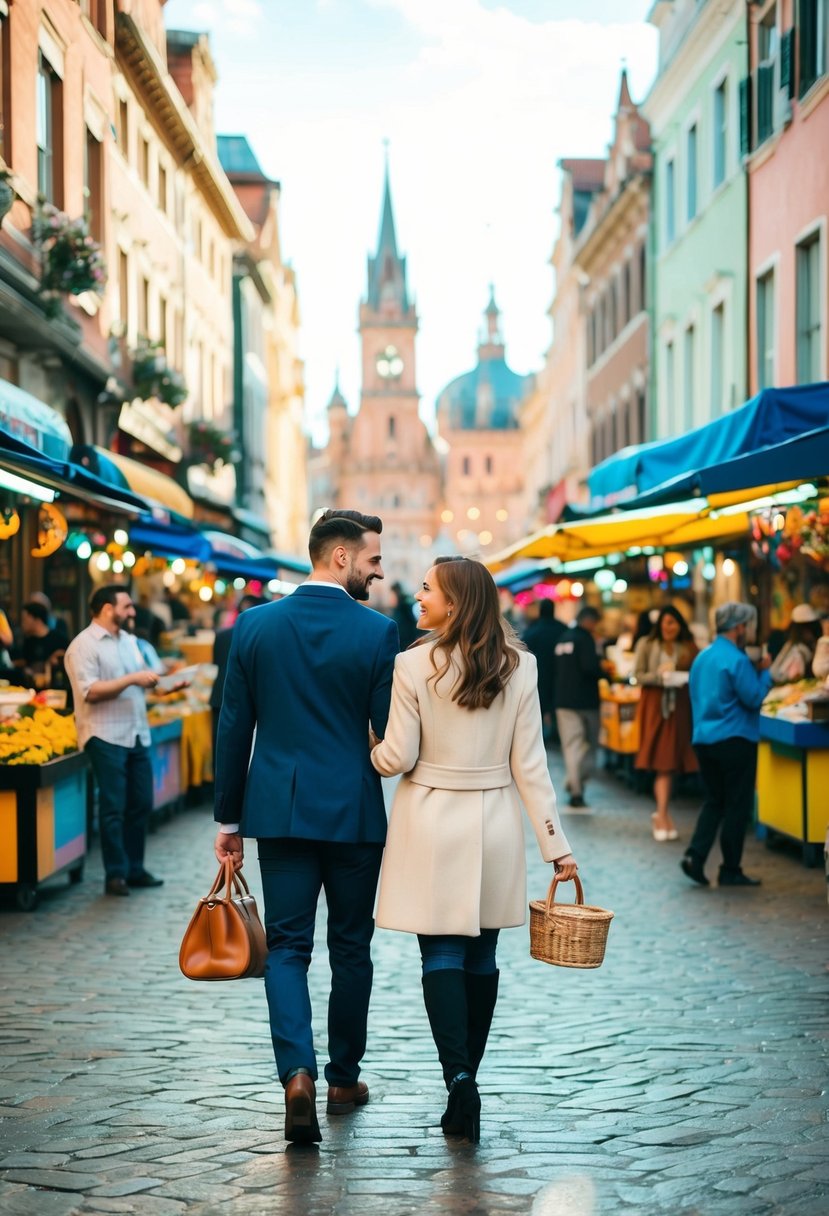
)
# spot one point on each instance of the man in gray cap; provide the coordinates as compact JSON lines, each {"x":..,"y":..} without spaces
{"x":727,"y":691}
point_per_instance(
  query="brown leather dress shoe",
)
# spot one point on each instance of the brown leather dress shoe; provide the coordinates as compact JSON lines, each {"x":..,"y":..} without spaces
{"x":301,"y":1124}
{"x":342,"y":1099}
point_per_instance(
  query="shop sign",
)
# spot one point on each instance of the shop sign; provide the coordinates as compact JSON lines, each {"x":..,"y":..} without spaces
{"x":152,"y":423}
{"x":218,"y":486}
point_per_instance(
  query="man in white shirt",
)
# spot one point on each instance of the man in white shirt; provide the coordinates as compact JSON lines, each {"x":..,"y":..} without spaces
{"x":109,"y":677}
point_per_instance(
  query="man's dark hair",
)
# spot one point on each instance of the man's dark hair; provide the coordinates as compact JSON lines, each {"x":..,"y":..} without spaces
{"x":588,"y":614}
{"x":546,"y":608}
{"x":250,"y":601}
{"x":105,"y":595}
{"x":340,"y":527}
{"x":38,"y":611}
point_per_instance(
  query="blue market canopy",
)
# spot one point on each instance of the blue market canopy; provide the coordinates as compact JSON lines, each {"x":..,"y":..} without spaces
{"x":173,"y":539}
{"x":65,"y":477}
{"x":779,"y":436}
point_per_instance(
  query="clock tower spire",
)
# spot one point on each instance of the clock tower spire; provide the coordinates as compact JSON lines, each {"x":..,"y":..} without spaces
{"x":391,"y":466}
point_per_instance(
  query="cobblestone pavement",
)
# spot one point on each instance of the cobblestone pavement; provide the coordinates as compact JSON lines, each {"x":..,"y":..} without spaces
{"x":687,"y":1076}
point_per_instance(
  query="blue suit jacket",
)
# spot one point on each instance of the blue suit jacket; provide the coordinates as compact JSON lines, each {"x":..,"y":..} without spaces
{"x":309,"y":672}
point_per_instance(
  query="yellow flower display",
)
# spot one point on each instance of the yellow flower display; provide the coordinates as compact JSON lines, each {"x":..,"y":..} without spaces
{"x":37,"y":735}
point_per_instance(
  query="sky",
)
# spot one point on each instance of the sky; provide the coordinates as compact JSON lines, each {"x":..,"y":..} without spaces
{"x":478,"y":100}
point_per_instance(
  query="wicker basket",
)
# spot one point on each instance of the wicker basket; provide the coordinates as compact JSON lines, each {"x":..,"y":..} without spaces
{"x":568,"y":935}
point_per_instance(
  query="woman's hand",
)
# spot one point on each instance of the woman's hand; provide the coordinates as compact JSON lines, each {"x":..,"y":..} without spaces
{"x":230,"y":844}
{"x":566,"y":867}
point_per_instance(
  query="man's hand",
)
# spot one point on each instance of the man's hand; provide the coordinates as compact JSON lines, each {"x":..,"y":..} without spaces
{"x":230,"y":844}
{"x":145,"y":678}
{"x":566,"y":867}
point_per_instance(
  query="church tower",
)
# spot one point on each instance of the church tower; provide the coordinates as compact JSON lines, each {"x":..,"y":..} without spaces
{"x":389,"y":465}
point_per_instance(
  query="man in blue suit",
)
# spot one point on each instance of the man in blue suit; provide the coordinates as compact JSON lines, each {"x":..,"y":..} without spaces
{"x":309,"y":674}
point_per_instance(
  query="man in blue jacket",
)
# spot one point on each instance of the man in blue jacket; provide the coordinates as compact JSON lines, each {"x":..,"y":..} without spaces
{"x":306,"y":677}
{"x":726,"y":694}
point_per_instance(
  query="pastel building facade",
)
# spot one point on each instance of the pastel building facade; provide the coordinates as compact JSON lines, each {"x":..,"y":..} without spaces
{"x":699,"y":238}
{"x":785,"y":139}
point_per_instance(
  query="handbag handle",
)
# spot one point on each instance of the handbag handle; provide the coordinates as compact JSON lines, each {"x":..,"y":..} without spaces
{"x":551,"y":894}
{"x":226,"y":880}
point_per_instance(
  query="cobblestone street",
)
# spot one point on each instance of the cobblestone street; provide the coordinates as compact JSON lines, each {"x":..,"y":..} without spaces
{"x":687,"y":1075}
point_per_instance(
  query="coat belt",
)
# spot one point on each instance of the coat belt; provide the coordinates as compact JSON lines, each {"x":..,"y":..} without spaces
{"x":445,"y":777}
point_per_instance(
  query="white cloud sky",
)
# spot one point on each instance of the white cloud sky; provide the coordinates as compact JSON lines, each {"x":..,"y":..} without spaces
{"x":479,"y":101}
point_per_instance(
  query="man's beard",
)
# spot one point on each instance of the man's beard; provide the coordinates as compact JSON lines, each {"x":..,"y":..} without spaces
{"x":358,"y":586}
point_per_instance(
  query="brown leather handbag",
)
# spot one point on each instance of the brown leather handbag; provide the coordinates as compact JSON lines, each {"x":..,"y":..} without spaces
{"x":225,"y":939}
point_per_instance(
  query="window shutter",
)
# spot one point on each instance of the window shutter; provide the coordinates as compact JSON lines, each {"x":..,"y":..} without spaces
{"x":745,"y":116}
{"x":787,"y":72}
{"x":807,"y":14}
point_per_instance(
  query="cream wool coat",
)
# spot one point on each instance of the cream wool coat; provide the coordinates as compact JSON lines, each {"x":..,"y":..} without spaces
{"x":454,"y":859}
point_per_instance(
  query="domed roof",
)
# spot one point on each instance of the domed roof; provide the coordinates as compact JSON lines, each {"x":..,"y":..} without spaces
{"x":486,"y":398}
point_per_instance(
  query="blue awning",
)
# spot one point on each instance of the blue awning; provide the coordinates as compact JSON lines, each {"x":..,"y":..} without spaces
{"x":174,"y":539}
{"x":65,"y":477}
{"x":779,"y":435}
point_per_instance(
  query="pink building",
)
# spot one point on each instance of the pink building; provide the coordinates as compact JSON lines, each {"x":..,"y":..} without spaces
{"x":785,"y":110}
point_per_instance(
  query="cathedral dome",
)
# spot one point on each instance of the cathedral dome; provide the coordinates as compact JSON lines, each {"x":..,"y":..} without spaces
{"x":486,"y":398}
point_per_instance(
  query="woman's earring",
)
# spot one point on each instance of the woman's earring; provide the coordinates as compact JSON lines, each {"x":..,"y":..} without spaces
{"x":448,"y":613}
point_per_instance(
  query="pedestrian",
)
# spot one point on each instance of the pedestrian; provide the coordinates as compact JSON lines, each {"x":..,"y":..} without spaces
{"x":727,"y":691}
{"x":309,"y":674}
{"x":402,"y":614}
{"x":793,"y":661}
{"x":465,"y":730}
{"x":56,"y":623}
{"x":578,"y":669}
{"x":663,"y":661}
{"x":109,"y":678}
{"x":221,"y":654}
{"x":540,"y":639}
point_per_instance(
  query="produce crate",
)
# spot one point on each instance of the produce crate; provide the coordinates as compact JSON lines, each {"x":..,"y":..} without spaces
{"x":43,"y":825}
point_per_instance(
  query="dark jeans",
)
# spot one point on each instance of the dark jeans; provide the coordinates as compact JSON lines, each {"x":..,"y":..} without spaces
{"x":293,"y":874}
{"x":728,"y":770}
{"x":125,"y":799}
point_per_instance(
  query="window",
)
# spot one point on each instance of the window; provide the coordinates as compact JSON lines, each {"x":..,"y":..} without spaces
{"x":765,"y":330}
{"x":162,"y":188}
{"x":123,"y":291}
{"x":144,"y":306}
{"x":691,"y":179}
{"x":392,"y":427}
{"x":643,"y":281}
{"x":670,"y":384}
{"x":488,"y":464}
{"x":641,"y":435}
{"x":162,"y":323}
{"x":467,"y":467}
{"x":49,"y":123}
{"x":670,"y":203}
{"x":720,"y":132}
{"x":627,"y":303}
{"x":808,"y":311}
{"x":717,"y":359}
{"x":813,"y":28}
{"x":92,"y":185}
{"x":122,"y":128}
{"x":688,"y":385}
{"x":144,"y":160}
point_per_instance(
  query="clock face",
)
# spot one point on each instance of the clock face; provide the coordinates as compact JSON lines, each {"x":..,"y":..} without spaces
{"x":389,"y":363}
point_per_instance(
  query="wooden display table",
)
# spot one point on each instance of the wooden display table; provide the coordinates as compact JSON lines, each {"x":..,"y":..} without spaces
{"x":42,"y":824}
{"x":792,"y":782}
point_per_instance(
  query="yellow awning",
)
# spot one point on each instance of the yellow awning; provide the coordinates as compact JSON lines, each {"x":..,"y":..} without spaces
{"x":668,"y":527}
{"x":149,"y":483}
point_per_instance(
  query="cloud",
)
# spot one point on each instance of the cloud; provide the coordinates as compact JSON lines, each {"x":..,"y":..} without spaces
{"x":240,"y":18}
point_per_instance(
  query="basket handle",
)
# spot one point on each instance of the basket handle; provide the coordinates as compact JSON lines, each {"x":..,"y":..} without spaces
{"x":551,"y":894}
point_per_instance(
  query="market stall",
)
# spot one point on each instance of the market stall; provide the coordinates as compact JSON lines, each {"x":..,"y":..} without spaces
{"x":793,"y":767}
{"x":43,"y":797}
{"x":618,"y":719}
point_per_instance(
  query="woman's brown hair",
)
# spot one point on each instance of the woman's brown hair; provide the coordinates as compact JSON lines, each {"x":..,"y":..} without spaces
{"x":487,"y":644}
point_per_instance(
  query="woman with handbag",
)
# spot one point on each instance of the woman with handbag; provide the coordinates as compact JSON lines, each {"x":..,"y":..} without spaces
{"x":465,"y":731}
{"x":663,"y":660}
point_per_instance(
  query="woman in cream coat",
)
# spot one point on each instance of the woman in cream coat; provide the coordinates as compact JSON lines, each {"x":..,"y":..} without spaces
{"x":465,"y":732}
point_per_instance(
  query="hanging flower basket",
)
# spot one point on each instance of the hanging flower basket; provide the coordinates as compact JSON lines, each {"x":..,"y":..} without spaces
{"x":72,"y":261}
{"x":209,"y":445}
{"x":153,"y":376}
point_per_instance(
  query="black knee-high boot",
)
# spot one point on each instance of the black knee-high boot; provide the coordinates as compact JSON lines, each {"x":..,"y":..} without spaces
{"x":444,"y":994}
{"x":481,"y":997}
